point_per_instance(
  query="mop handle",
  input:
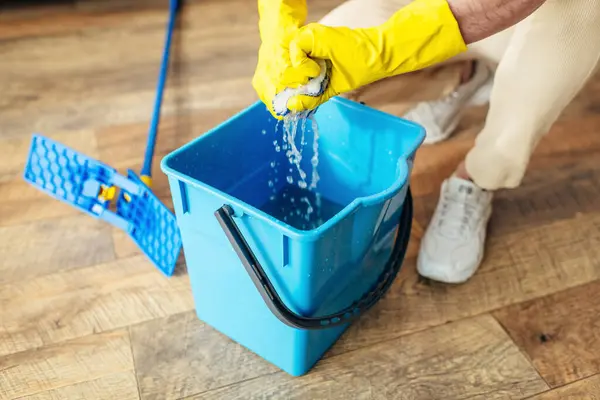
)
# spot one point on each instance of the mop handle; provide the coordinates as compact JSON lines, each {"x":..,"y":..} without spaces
{"x":146,"y":172}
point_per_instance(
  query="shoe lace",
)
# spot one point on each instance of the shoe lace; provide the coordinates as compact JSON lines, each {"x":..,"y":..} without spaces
{"x":457,"y":216}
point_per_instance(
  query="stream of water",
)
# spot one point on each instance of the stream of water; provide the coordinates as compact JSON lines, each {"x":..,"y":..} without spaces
{"x":298,"y":201}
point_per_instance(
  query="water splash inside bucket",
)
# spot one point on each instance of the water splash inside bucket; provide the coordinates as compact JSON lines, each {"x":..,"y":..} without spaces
{"x":292,"y":139}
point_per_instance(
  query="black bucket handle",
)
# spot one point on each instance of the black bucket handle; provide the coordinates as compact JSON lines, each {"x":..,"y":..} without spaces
{"x":273,"y":301}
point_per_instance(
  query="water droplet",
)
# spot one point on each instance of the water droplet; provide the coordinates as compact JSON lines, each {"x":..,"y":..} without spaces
{"x":264,"y":132}
{"x":294,"y":135}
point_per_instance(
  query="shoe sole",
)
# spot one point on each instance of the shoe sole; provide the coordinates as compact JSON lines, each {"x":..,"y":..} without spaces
{"x":462,"y":278}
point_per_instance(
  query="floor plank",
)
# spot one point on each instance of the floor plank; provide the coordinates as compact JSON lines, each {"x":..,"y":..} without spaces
{"x":97,"y":90}
{"x":573,"y":190}
{"x":471,"y":359}
{"x":55,"y":367}
{"x":47,"y":246}
{"x":79,"y":302}
{"x":560,"y":332}
{"x":80,"y":16}
{"x":179,"y":356}
{"x":119,"y":386}
{"x":588,"y":389}
{"x":14,"y":150}
{"x":20,"y":203}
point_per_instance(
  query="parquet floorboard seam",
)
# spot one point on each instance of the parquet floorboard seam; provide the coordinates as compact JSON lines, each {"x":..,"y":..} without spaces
{"x":561,"y":386}
{"x":370,"y":345}
{"x":54,"y":388}
{"x":522,"y":351}
{"x":409,"y":333}
{"x":137,"y":382}
{"x":487,"y":312}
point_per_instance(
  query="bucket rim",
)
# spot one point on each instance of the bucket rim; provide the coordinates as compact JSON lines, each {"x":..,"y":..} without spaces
{"x":242,"y":208}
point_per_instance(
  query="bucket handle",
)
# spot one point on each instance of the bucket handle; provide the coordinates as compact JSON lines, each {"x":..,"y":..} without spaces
{"x":273,"y":301}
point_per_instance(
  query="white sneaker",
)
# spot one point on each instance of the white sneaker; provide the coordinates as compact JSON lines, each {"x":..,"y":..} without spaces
{"x":452,"y":247}
{"x":441,"y":117}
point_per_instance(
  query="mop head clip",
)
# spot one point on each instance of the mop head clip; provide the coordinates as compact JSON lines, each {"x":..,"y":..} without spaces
{"x":315,"y":87}
{"x":91,"y":186}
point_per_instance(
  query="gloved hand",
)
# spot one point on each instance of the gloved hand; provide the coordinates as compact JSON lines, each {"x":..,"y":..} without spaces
{"x":279,"y":20}
{"x":419,"y":35}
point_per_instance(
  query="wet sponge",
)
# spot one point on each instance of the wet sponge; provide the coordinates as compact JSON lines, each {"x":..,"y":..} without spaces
{"x":315,"y":87}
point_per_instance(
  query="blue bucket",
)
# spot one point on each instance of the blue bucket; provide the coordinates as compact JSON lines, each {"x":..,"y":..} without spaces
{"x":284,"y":287}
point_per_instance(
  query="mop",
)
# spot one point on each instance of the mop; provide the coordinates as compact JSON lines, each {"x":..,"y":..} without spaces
{"x":97,"y":189}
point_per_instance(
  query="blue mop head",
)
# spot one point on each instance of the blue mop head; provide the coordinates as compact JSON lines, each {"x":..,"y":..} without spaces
{"x":91,"y":186}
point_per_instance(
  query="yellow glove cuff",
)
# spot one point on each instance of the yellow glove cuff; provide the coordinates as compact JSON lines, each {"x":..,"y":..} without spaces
{"x":422,"y":34}
{"x":280,"y":18}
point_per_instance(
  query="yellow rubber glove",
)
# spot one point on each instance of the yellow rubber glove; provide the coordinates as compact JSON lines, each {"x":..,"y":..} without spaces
{"x":417,"y":36}
{"x":279,"y":20}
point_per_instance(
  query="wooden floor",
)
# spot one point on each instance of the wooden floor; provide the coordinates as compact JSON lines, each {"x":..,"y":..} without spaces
{"x":84,"y":316}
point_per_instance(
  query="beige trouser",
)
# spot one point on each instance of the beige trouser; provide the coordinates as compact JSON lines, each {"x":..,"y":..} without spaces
{"x":541,"y":64}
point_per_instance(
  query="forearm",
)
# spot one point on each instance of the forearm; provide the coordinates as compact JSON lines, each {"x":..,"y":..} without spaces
{"x":479,"y":19}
